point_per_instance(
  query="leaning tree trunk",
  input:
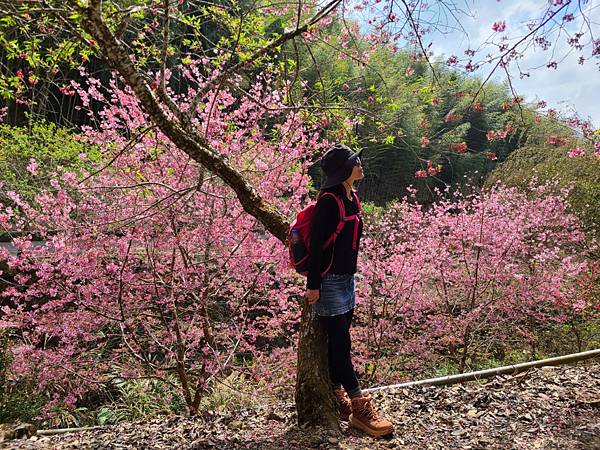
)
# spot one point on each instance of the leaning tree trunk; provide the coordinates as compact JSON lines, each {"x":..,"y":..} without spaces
{"x":314,"y":399}
{"x":315,"y":402}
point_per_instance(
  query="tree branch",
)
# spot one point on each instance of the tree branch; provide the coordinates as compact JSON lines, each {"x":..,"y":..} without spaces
{"x":523,"y":39}
{"x":184,"y":137}
{"x":286,"y":36}
{"x":165,"y":48}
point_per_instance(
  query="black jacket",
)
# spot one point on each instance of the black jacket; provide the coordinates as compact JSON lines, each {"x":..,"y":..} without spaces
{"x":326,"y":219}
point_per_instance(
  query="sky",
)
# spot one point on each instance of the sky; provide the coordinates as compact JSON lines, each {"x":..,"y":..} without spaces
{"x":570,"y":86}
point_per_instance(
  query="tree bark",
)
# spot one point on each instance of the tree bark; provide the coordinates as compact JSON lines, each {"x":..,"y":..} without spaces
{"x":315,"y":402}
{"x":314,"y":399}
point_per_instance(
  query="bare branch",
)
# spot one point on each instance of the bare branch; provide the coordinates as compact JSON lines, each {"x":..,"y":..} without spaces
{"x":417,"y":34}
{"x":130,"y":144}
{"x":523,"y":39}
{"x":512,"y":89}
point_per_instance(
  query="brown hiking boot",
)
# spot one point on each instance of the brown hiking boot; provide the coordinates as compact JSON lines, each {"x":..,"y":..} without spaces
{"x":365,"y":418}
{"x":344,"y":404}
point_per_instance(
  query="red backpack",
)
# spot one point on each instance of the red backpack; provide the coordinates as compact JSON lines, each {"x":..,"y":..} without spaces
{"x":300,"y":229}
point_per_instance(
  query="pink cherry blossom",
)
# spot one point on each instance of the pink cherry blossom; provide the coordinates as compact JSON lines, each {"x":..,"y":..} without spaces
{"x":459,"y":147}
{"x":555,"y":140}
{"x":423,"y":264}
{"x":178,"y":239}
{"x":499,"y":27}
{"x":32,"y":167}
{"x":576,"y":152}
{"x":453,"y":60}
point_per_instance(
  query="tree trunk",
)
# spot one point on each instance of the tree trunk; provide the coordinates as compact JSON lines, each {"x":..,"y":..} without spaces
{"x":315,"y":402}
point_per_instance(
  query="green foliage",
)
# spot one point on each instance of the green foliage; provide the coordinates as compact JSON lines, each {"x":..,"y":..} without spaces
{"x":120,"y":400}
{"x":54,"y":149}
{"x":18,"y":402}
{"x":397,"y":101}
{"x":576,"y":335}
{"x":227,"y":394}
{"x":135,"y":399}
{"x":372,"y":210}
{"x":540,"y":161}
{"x":33,"y":43}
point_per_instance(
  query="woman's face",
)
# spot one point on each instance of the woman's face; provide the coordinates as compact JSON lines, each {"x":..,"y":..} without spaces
{"x":357,"y":171}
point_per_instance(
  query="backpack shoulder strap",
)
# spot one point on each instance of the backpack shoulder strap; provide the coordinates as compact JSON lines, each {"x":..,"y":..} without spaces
{"x":341,"y":222}
{"x":339,"y":202}
{"x":357,"y":202}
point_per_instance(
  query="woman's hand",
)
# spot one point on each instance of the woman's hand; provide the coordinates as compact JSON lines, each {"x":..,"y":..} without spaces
{"x":312,"y":295}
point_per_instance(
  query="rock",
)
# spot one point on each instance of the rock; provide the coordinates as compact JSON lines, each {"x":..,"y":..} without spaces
{"x":275,"y":416}
{"x":9,"y":431}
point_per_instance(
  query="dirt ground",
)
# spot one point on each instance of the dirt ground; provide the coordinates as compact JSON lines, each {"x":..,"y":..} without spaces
{"x":548,"y":408}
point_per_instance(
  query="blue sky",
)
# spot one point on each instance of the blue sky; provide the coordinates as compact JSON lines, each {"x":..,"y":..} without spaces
{"x":570,"y":86}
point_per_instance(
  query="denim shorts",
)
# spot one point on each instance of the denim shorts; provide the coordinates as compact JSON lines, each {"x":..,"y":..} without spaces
{"x":336,"y":296}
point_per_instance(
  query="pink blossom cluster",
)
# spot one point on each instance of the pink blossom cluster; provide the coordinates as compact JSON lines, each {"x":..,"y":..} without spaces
{"x":576,"y":152}
{"x":556,"y":140}
{"x":499,"y":26}
{"x":431,"y":170}
{"x":467,"y":277}
{"x":152,"y":265}
{"x":458,"y":147}
{"x":494,"y":135}
{"x":452,"y":60}
{"x":450,"y":117}
{"x":477,"y":107}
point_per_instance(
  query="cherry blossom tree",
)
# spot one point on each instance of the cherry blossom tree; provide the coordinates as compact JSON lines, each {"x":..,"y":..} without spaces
{"x":150,"y":266}
{"x":471,"y":276}
{"x":154,"y":46}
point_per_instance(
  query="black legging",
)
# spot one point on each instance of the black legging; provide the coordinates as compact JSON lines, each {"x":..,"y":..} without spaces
{"x":341,"y":370}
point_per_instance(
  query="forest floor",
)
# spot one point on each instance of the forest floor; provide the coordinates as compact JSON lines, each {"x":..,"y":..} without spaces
{"x":548,"y":408}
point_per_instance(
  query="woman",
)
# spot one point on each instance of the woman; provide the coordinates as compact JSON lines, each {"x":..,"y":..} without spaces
{"x":332,"y":293}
